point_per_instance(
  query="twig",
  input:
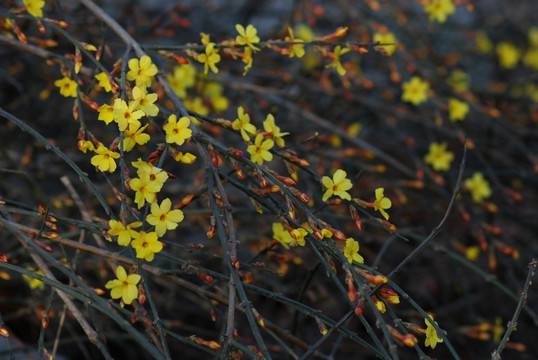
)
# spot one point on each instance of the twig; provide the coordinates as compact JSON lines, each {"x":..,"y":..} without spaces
{"x":512,"y":324}
{"x":437,"y":229}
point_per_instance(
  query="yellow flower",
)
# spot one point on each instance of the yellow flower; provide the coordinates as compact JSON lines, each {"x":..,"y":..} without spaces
{"x":478,"y":187}
{"x":85,"y":145}
{"x":381,"y":202}
{"x":104,"y":159}
{"x":247,"y":36}
{"x":281,"y":235}
{"x":483,"y":43}
{"x":34,"y":7}
{"x":134,"y":134}
{"x":162,"y":218}
{"x":183,"y":78}
{"x":126,"y":114}
{"x":440,"y":9}
{"x":124,"y":233}
{"x":259,"y":151}
{"x":273,"y":130}
{"x":295,"y":50}
{"x":304,"y":32}
{"x":438,"y":157}
{"x":508,"y":54}
{"x":432,"y":338}
{"x":247,"y":60}
{"x":459,"y":80}
{"x":243,"y":124}
{"x":103,"y":81}
{"x":213,"y":92}
{"x":386,"y":38}
{"x":210,"y":58}
{"x":177,"y":131}
{"x":150,"y":181}
{"x":530,"y":59}
{"x":338,"y":185}
{"x":338,"y":51}
{"x":415,"y":90}
{"x":124,"y":286}
{"x":298,"y":236}
{"x":106,"y":113}
{"x":68,"y":87}
{"x":141,"y":71}
{"x":457,"y":109}
{"x":533,"y":36}
{"x":186,"y":158}
{"x":33,"y":282}
{"x":144,"y":101}
{"x":146,"y":245}
{"x":351,"y":251}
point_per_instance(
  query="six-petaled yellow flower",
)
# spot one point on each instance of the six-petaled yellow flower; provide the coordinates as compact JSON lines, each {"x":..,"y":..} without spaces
{"x":457,"y":109}
{"x":134,"y":134}
{"x":142,"y":71}
{"x":243,"y":124}
{"x":415,"y":90}
{"x":162,"y":218}
{"x":381,"y":202}
{"x":144,"y":101}
{"x":247,"y":37}
{"x":210,"y":58}
{"x":259,"y":151}
{"x":146,"y":245}
{"x":438,"y":157}
{"x":337,"y":53}
{"x":478,"y":187}
{"x":34,"y":7}
{"x":440,"y":9}
{"x":104,"y":159}
{"x":351,"y":251}
{"x":124,"y":286}
{"x":177,"y":131}
{"x":432,"y":338}
{"x":68,"y":87}
{"x":338,"y":185}
{"x":126,"y":114}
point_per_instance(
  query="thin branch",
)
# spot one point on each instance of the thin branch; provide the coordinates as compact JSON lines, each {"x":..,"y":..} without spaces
{"x":512,"y":324}
{"x":437,"y":229}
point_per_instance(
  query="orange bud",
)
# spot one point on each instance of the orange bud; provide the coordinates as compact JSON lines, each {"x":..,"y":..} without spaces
{"x":356,"y":219}
{"x":351,"y":291}
{"x":78,"y":60}
{"x":492,"y":260}
{"x":4,"y":332}
{"x":389,"y":295}
{"x":205,"y":277}
{"x":495,"y":230}
{"x":338,"y":33}
{"x":374,"y":279}
{"x":321,"y":326}
{"x":258,"y":317}
{"x":263,"y":180}
{"x":3,"y":258}
{"x":45,"y":322}
{"x":360,"y":307}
